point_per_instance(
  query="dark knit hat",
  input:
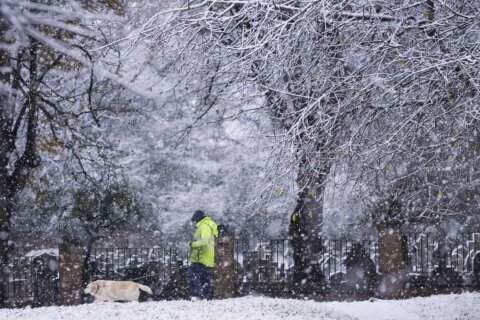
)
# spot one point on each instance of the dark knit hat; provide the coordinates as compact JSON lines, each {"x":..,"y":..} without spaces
{"x":198,"y":215}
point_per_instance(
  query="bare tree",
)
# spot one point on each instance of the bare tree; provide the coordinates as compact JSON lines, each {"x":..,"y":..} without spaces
{"x":42,"y":44}
{"x":367,"y":82}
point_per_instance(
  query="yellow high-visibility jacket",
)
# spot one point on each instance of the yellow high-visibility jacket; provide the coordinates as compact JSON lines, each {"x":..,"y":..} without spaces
{"x":203,"y":245}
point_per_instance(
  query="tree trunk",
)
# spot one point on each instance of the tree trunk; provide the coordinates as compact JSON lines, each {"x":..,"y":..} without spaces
{"x":305,"y":232}
{"x":14,"y":172}
{"x":5,"y":197}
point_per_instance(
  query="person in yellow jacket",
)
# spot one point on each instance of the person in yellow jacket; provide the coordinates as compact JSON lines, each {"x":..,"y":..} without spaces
{"x":202,"y":256}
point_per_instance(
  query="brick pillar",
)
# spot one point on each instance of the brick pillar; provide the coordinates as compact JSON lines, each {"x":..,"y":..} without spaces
{"x":476,"y":261}
{"x":70,"y":273}
{"x":224,"y":272}
{"x":392,"y":263}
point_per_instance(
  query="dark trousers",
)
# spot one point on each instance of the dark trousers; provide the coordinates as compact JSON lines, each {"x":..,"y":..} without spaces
{"x":199,"y":279}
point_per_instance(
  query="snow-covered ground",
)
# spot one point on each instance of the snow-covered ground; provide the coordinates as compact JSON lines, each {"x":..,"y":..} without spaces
{"x":442,"y":307}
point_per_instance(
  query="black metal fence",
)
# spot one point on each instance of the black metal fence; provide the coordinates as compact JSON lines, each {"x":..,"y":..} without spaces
{"x":460,"y":254}
{"x":135,"y":263}
{"x":155,"y":267}
{"x":272,"y":260}
{"x":35,"y":280}
{"x":32,"y":281}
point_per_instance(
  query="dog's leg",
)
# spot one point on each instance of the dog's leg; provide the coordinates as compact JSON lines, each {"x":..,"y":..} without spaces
{"x":135,"y":297}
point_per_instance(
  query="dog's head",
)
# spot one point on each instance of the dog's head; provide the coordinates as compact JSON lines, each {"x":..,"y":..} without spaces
{"x":91,"y":288}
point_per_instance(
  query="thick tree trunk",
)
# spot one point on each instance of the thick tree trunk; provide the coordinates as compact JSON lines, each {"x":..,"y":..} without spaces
{"x":305,"y":232}
{"x":5,"y":198}
{"x":15,"y":169}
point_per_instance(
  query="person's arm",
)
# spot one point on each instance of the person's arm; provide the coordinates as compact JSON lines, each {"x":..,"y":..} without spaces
{"x":206,"y":235}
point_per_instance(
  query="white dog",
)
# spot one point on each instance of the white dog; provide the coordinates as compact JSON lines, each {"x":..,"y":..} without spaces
{"x":116,"y":290}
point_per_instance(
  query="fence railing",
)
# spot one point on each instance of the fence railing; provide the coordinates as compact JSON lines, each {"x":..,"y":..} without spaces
{"x":336,"y":252}
{"x":272,"y":260}
{"x":128,"y":263}
{"x":35,"y":280}
{"x":32,"y":280}
{"x":427,"y":253}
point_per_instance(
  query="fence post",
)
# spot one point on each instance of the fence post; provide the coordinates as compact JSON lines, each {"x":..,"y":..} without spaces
{"x":70,"y":272}
{"x":392,"y":264}
{"x":224,"y":272}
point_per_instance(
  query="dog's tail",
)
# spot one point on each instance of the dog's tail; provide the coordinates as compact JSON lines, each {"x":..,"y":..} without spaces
{"x":144,"y":288}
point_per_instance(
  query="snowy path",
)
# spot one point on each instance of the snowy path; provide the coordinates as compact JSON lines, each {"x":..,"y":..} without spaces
{"x":445,"y":307}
